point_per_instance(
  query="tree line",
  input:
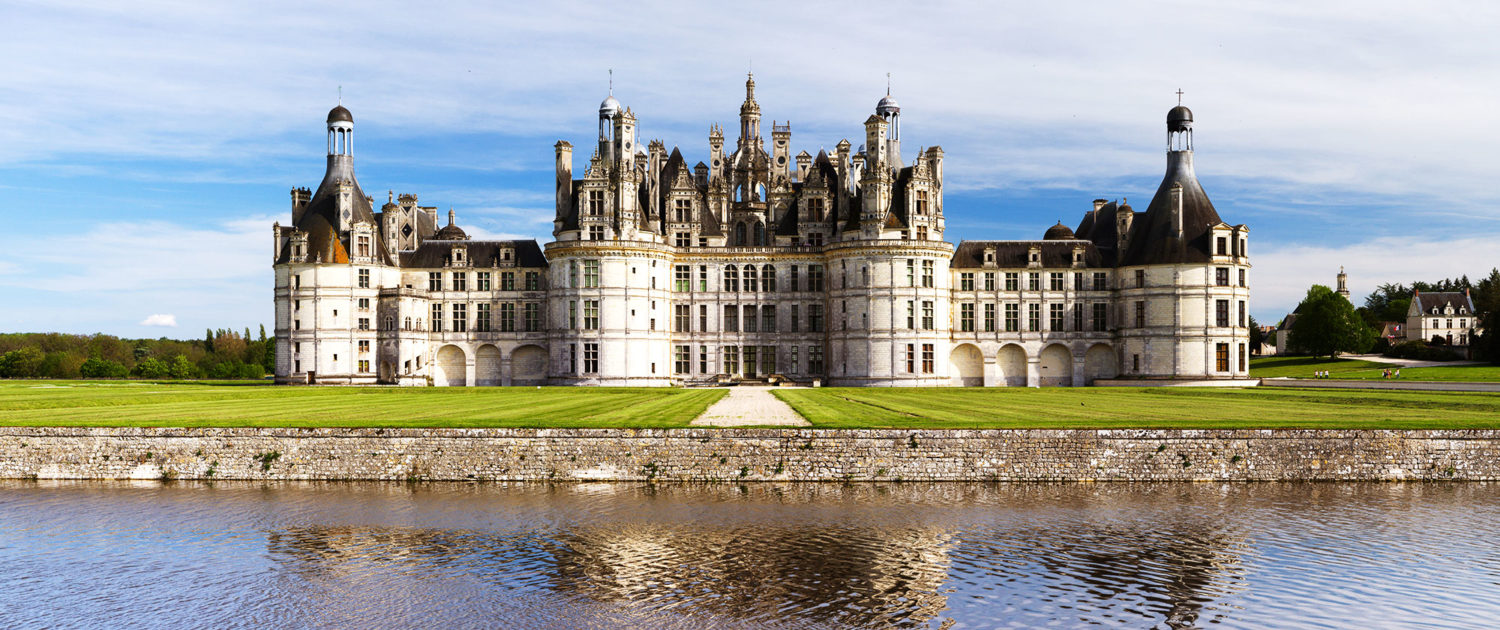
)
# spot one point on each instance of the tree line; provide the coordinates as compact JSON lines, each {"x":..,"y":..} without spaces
{"x":1328,"y":325}
{"x":221,"y":354}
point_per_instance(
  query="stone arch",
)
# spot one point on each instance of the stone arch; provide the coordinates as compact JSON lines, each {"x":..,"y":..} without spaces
{"x":528,"y":365}
{"x":449,"y":369}
{"x":1010,"y":366}
{"x":487,"y":366}
{"x":1100,"y":362}
{"x":966,"y":366}
{"x":1056,"y":367}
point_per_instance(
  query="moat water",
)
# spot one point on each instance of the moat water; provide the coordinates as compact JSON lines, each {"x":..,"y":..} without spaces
{"x":368,"y":555}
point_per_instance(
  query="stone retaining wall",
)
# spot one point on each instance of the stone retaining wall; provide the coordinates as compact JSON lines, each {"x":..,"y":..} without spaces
{"x":746,"y":454}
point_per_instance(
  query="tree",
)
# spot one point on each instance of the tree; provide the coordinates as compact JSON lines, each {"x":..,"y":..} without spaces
{"x":21,"y":363}
{"x":182,"y":368}
{"x":208,"y":340}
{"x":1257,"y":336}
{"x":1487,"y":302}
{"x":1328,"y":325}
{"x":153,"y":367}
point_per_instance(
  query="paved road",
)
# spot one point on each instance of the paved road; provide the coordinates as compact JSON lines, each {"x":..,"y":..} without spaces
{"x":749,"y":406}
{"x":1426,"y":386}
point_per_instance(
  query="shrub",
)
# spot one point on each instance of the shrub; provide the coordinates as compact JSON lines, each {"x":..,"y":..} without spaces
{"x":1420,"y":351}
{"x":102,"y":368}
{"x":152,"y":367}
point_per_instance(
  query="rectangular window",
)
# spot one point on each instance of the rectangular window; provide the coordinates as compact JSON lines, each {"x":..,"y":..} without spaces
{"x":1055,"y":317}
{"x":1140,"y":278}
{"x":364,"y":346}
{"x":1221,"y":357}
{"x":364,"y":323}
{"x":682,"y":278}
{"x":814,"y":321}
{"x":911,"y":272}
{"x":792,"y":364}
{"x":927,"y":318}
{"x":596,"y":233}
{"x":533,"y":281}
{"x":364,"y":278}
{"x":596,"y":203}
{"x":591,"y":358}
{"x":507,"y":316}
{"x":1033,"y":317}
{"x":791,"y":279}
{"x":573,"y":315}
{"x":768,"y":279}
{"x":1221,"y":276}
{"x":702,"y":359}
{"x":927,"y":274}
{"x":1055,"y":281}
{"x":1140,"y":314}
{"x":591,"y":314}
{"x":1078,"y":317}
{"x":989,"y":317}
{"x":591,"y":274}
{"x":929,"y":362}
{"x":437,"y":318}
{"x":731,"y":318}
{"x":731,"y":279}
{"x":703,"y":318}
{"x":768,"y":318}
{"x":1222,"y":247}
{"x":815,"y":359}
{"x":682,"y":239}
{"x":911,"y":314}
{"x":1012,"y":317}
{"x":533,"y":317}
{"x":363,"y":304}
{"x":1221,"y":311}
{"x":966,"y":317}
{"x":1242,"y":315}
{"x":1077,"y":282}
{"x":1243,"y":365}
{"x":573,"y":274}
{"x":1242,"y":277}
{"x":682,"y":318}
{"x":1033,"y":281}
{"x":434,"y":281}
{"x":1135,"y":363}
{"x":703,"y":278}
{"x":682,"y":210}
{"x":460,"y":318}
{"x":911,"y":358}
{"x":749,"y":272}
{"x":1012,"y":281}
{"x":1100,"y":319}
{"x":731,"y":356}
{"x":683,"y":363}
{"x":768,"y":359}
{"x":460,"y":281}
{"x":482,"y":315}
{"x":1101,"y":281}
{"x":507,"y":280}
{"x":815,"y":277}
{"x":792,"y":323}
{"x":364,"y":365}
{"x":750,"y":318}
{"x":966,"y":281}
{"x":482,"y":281}
{"x":989,"y":281}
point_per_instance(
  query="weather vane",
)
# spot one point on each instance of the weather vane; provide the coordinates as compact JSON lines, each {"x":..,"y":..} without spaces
{"x":611,"y":81}
{"x":887,"y":84}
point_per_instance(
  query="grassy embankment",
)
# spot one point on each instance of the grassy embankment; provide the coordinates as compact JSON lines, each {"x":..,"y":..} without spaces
{"x":1121,"y":408}
{"x":1304,"y":367}
{"x":147,"y":404}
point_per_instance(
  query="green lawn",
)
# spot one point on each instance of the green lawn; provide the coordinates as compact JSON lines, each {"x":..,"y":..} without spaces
{"x":135,"y":403}
{"x":1163,"y":407}
{"x":1303,"y":367}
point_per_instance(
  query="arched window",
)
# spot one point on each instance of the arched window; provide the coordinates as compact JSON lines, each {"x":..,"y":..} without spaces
{"x":768,"y":279}
{"x":390,"y":323}
{"x":760,"y":234}
{"x":731,"y":278}
{"x":750,"y":278}
{"x":760,"y":192}
{"x":739,"y":234}
{"x":407,"y":324}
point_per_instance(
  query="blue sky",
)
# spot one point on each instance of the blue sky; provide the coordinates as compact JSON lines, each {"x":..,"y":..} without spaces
{"x":147,"y":147}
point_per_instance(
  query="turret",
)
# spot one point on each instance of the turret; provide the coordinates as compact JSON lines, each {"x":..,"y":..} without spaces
{"x":890,"y":112}
{"x":749,"y":116}
{"x":1344,"y":283}
{"x":781,"y":148}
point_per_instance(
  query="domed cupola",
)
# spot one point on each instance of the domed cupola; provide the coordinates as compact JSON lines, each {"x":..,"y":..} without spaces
{"x":340,"y":114}
{"x":1058,"y":232}
{"x":451,"y":232}
{"x":610,"y":106}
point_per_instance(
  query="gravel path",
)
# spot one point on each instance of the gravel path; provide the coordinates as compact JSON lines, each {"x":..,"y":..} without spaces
{"x":749,"y":406}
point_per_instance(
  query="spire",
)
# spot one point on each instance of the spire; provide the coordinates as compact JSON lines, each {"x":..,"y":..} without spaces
{"x":750,"y":87}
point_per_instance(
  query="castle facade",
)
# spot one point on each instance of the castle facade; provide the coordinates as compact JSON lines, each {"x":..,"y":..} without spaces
{"x":754,"y":264}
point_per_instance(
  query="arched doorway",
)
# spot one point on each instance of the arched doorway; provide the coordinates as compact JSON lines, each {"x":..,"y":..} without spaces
{"x":1100,"y":362}
{"x":528,"y":366}
{"x":1056,"y":368}
{"x":966,"y":366}
{"x":487,"y":366}
{"x":387,"y":372}
{"x":449,"y":369}
{"x":1011,"y":366}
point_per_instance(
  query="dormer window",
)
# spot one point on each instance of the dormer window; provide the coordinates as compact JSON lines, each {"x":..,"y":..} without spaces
{"x":362,"y":246}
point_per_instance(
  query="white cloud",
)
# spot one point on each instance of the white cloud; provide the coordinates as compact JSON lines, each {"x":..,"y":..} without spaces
{"x":160,"y":319}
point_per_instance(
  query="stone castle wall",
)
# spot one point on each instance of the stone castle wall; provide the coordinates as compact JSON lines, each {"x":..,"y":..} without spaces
{"x":736,"y":455}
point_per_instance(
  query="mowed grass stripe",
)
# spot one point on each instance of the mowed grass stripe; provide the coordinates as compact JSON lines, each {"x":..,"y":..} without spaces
{"x":1142,"y":408}
{"x":87,"y":404}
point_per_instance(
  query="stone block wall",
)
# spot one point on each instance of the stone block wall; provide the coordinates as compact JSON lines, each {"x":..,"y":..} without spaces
{"x":736,"y":455}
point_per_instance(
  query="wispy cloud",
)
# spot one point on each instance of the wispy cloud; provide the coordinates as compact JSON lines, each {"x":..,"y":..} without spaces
{"x":160,"y":319}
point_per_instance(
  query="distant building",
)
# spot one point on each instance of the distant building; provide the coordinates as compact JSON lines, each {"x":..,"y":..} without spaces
{"x":755,"y":263}
{"x":1445,"y":316}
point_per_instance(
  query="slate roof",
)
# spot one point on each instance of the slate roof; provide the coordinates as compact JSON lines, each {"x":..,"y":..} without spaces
{"x":1440,"y":300}
{"x":1153,"y":238}
{"x":432,"y":254}
{"x":1014,"y":254}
